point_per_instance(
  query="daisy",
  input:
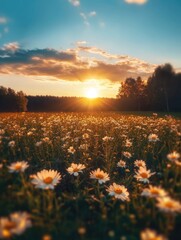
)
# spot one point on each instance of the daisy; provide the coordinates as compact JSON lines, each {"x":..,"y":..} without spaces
{"x":143,"y":175}
{"x":37,"y":144}
{"x":118,"y":191}
{"x":127,"y":154}
{"x":139,"y":163}
{"x":174,"y":156}
{"x":18,"y":167}
{"x":148,"y":234}
{"x":46,"y":179}
{"x":85,"y":136}
{"x":11,"y":144}
{"x":121,"y":164}
{"x":167,"y":204}
{"x":75,"y":169}
{"x":100,"y":175}
{"x":154,"y":192}
{"x":15,"y":224}
{"x":71,"y":150}
{"x":107,"y":139}
{"x":128,"y":143}
{"x":153,"y":137}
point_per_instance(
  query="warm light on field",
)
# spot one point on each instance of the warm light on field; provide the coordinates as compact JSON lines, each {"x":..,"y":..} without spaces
{"x":91,"y":92}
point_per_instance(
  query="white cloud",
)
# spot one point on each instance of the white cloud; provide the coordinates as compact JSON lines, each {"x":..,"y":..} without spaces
{"x":83,"y":16}
{"x":75,"y":3}
{"x":3,"y":20}
{"x":92,"y":14}
{"x":14,"y":46}
{"x":81,"y":42}
{"x":136,"y":1}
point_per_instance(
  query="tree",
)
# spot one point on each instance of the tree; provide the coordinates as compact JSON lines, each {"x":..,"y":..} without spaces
{"x":161,"y":87}
{"x":132,"y":92}
{"x":10,"y":101}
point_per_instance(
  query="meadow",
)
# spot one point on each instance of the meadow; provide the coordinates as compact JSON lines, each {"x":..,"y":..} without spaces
{"x":90,"y":176}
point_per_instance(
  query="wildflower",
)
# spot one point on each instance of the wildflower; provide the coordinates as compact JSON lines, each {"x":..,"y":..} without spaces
{"x":139,"y":163}
{"x":84,"y":147}
{"x":100,"y":175}
{"x":37,"y":144}
{"x":81,"y":230}
{"x":11,"y":144}
{"x":121,"y":164}
{"x":167,"y":204}
{"x":46,"y":140}
{"x":174,"y":156}
{"x":85,"y":136}
{"x":15,"y":224}
{"x":143,"y":175}
{"x":107,"y":139}
{"x":47,"y":237}
{"x":71,"y":150}
{"x":154,"y":192}
{"x":178,"y":163}
{"x":46,"y":179}
{"x":128,"y":143}
{"x":153,"y":137}
{"x":75,"y":169}
{"x":127,"y":154}
{"x":118,"y":191}
{"x":148,"y":234}
{"x":18,"y":166}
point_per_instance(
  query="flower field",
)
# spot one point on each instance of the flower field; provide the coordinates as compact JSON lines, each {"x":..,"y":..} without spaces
{"x":90,"y":176}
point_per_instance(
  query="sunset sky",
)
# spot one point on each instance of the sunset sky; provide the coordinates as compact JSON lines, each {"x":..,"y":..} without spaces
{"x":64,"y":47}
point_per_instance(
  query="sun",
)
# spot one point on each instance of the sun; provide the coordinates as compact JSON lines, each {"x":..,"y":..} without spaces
{"x":91,"y":92}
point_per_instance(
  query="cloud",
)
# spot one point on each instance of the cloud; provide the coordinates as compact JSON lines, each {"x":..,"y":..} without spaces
{"x":87,"y":16}
{"x":77,"y":64}
{"x":81,"y":42}
{"x":3,"y":20}
{"x":92,"y":14}
{"x":14,"y":46}
{"x":75,"y":3}
{"x":136,"y":1}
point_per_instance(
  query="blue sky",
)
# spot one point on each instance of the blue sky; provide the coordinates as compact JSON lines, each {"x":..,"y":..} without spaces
{"x":149,"y":32}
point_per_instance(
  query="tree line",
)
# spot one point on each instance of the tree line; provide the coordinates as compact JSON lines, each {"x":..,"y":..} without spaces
{"x":161,"y":92}
{"x":11,"y":101}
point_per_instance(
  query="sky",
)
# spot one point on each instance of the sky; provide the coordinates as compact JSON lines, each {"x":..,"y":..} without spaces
{"x":66,"y":47}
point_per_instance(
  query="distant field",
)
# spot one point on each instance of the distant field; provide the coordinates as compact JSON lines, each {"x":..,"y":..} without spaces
{"x":116,"y":176}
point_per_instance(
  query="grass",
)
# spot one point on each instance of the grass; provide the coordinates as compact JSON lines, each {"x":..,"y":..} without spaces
{"x":79,"y":207}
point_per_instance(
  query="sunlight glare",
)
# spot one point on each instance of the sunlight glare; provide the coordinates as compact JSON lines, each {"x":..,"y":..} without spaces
{"x":91,"y":92}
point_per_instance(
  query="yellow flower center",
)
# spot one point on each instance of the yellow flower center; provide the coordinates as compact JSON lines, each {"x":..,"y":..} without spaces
{"x":140,"y":164}
{"x":18,"y":167}
{"x":118,"y":191}
{"x":169,"y":204}
{"x":154,"y":191}
{"x":48,"y":180}
{"x":144,"y":175}
{"x":76,"y":169}
{"x":99,"y":175}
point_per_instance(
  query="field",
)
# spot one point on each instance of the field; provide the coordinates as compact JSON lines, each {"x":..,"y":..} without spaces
{"x":90,"y":176}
